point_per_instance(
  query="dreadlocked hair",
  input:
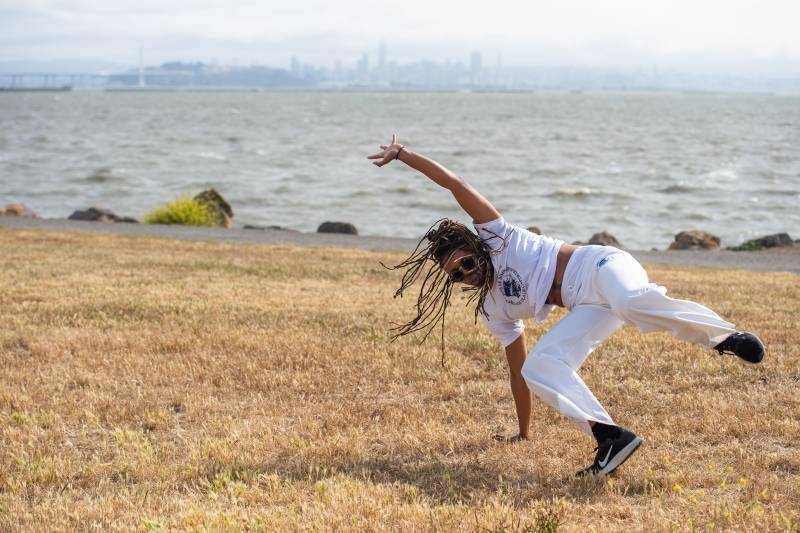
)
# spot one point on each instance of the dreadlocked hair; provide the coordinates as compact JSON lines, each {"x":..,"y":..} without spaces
{"x":426,"y":261}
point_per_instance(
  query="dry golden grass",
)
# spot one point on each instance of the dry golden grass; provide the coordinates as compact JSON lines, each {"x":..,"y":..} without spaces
{"x":149,"y":384}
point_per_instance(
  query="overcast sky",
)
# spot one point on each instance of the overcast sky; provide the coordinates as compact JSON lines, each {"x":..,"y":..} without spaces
{"x":755,"y":37}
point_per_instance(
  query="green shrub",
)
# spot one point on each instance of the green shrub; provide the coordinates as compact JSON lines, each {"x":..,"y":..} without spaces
{"x":749,"y":246}
{"x":184,"y":211}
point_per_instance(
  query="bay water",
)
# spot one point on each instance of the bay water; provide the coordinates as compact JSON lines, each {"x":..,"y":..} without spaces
{"x":640,"y":166}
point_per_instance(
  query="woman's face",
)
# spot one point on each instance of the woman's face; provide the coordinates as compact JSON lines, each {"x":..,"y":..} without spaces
{"x":462,"y":267}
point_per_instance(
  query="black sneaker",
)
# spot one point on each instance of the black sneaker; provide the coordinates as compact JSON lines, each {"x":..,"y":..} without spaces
{"x":745,"y":345}
{"x":611,"y":453}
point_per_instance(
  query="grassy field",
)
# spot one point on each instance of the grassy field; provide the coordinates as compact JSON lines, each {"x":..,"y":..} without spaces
{"x":155,"y":385}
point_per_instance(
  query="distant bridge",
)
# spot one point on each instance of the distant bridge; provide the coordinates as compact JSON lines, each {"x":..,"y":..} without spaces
{"x":50,"y":80}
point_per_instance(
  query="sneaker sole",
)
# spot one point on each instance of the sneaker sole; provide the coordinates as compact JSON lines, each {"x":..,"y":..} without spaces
{"x":621,"y":457}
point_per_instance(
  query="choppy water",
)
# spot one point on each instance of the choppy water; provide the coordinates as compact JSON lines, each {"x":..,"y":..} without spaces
{"x":642,"y":166}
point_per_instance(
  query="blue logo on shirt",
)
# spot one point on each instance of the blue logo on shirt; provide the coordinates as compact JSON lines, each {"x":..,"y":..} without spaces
{"x":514,"y":289}
{"x":604,"y":260}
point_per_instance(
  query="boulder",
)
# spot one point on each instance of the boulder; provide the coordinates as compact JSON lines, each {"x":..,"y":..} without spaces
{"x":534,"y":229}
{"x":605,"y":239}
{"x":100,"y":214}
{"x":337,"y":227}
{"x":783,"y":239}
{"x":17,"y":210}
{"x":695,"y":240}
{"x":767,"y":241}
{"x":220,"y":208}
{"x":776,"y":239}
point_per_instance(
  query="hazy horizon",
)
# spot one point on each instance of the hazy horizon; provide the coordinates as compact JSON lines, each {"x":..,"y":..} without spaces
{"x":734,"y":38}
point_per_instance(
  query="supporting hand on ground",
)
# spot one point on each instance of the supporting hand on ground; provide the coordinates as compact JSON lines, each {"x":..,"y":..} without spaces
{"x":509,"y":438}
{"x":388,"y":153}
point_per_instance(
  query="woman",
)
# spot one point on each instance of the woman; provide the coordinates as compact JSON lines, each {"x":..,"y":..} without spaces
{"x":514,"y":274}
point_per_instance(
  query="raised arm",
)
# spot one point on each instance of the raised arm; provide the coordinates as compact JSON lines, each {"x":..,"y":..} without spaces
{"x":467,"y":197}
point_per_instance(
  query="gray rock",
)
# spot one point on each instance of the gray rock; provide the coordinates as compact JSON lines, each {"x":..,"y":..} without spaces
{"x":337,"y":227}
{"x":767,"y":241}
{"x":220,"y":208}
{"x":535,"y":229}
{"x":100,"y":214}
{"x":605,"y":239}
{"x":17,"y":210}
{"x":777,"y":239}
{"x":695,"y":240}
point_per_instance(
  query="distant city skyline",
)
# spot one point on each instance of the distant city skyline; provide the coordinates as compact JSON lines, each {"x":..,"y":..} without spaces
{"x":734,"y":37}
{"x":385,"y":74}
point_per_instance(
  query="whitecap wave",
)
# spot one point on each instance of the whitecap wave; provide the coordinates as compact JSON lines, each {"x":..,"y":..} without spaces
{"x":572,"y":193}
{"x":212,"y":155}
{"x":721,"y":175}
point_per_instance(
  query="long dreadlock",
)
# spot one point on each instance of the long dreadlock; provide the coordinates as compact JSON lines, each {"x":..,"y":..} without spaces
{"x":443,"y":238}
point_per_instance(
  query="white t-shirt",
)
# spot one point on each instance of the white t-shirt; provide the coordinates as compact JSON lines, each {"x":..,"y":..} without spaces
{"x":524,"y":268}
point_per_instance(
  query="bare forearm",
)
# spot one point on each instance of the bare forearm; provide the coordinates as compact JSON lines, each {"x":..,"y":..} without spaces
{"x":433,"y":170}
{"x":470,"y":200}
{"x":467,"y":197}
{"x":522,"y":402}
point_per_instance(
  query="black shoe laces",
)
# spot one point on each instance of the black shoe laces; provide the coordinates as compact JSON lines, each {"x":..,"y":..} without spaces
{"x":602,"y":448}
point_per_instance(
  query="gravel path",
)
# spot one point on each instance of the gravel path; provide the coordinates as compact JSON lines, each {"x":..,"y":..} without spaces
{"x":776,"y":260}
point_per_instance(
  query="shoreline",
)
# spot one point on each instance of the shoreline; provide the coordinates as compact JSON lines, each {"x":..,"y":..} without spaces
{"x":771,"y":260}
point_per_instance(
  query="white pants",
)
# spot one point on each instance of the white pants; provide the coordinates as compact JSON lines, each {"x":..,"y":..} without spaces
{"x":603,"y":288}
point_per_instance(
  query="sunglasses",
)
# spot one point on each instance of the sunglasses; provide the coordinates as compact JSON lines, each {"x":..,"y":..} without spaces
{"x":465,"y":266}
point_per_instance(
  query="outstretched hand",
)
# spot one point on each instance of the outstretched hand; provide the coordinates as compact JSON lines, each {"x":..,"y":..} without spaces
{"x":388,"y":153}
{"x":509,"y":438}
